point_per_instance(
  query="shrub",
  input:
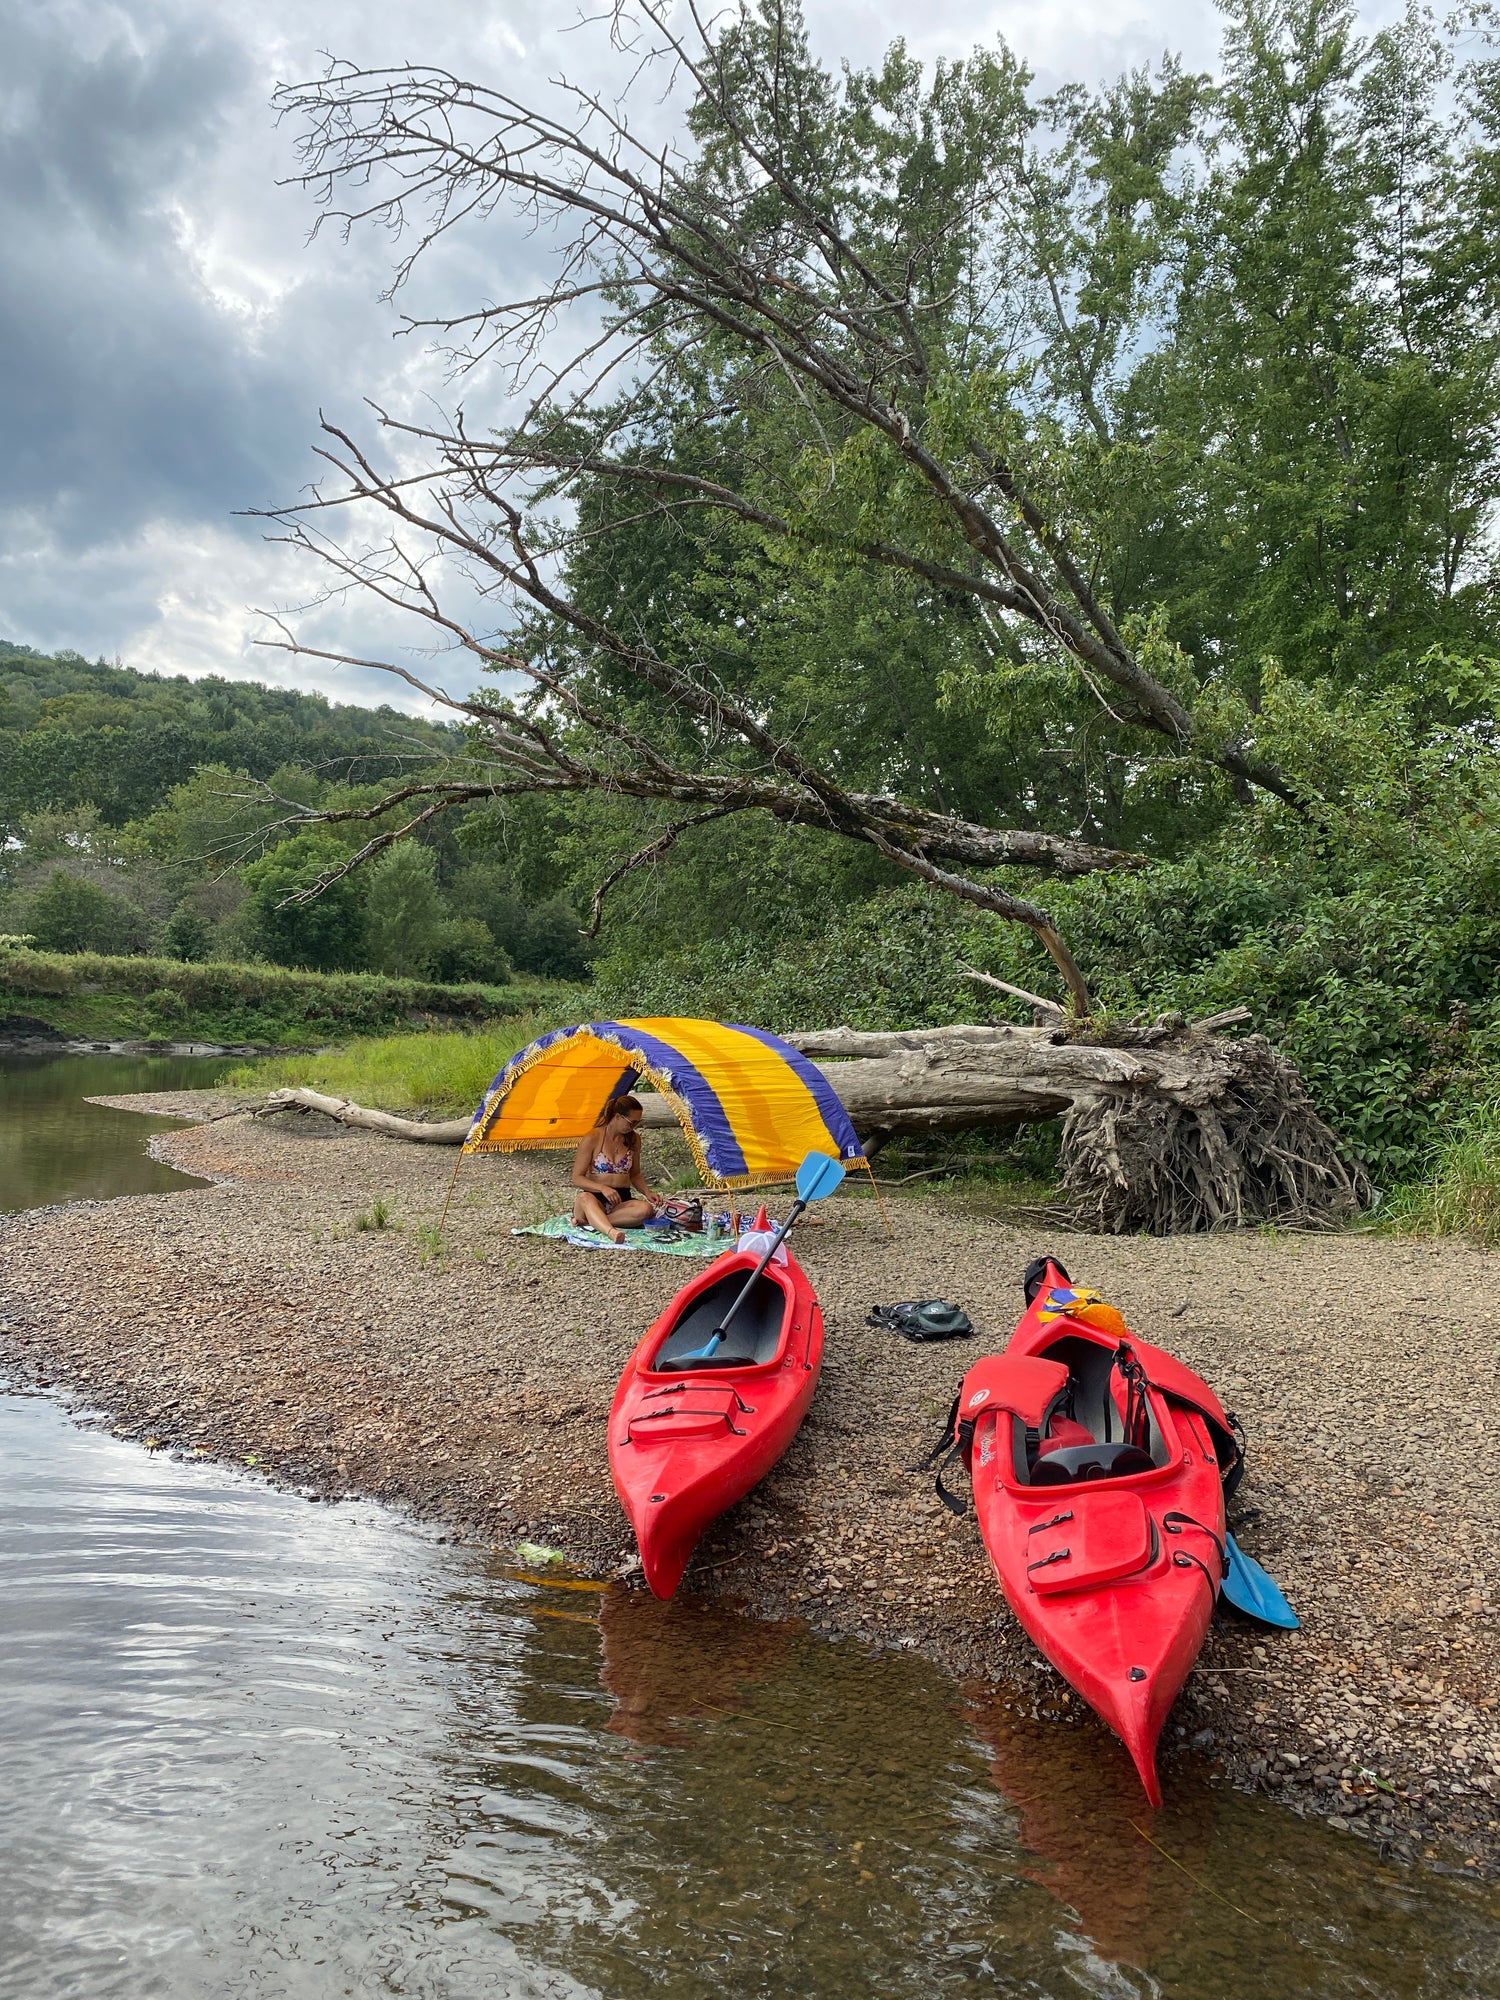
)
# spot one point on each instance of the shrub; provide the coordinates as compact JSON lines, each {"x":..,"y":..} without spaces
{"x":187,"y":934}
{"x":1384,"y":993}
{"x":466,"y":950}
{"x":69,"y":913}
{"x":166,"y":1006}
{"x":1462,"y":1196}
{"x":254,"y":1002}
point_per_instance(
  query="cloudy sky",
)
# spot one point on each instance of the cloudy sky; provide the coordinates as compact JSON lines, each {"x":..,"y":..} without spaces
{"x":169,"y":334}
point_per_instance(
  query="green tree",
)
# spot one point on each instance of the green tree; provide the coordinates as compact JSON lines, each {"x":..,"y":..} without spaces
{"x":404,"y":910}
{"x":325,"y":934}
{"x":70,"y":913}
{"x":986,"y":454}
{"x":187,"y":934}
{"x":543,"y":937}
{"x":466,"y":950}
{"x":205,"y":825}
{"x":1321,"y":414}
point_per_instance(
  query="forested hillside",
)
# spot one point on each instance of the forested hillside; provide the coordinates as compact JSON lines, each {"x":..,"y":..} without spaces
{"x":140,"y":814}
{"x":75,"y":732}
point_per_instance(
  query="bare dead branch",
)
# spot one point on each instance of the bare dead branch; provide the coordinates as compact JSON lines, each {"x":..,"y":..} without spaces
{"x":1043,"y":1009}
{"x":643,"y":856}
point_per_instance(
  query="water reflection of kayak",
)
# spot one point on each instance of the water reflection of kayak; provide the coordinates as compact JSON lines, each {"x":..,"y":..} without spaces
{"x":697,"y":1421}
{"x":666,"y":1664}
{"x":1080,"y":1818}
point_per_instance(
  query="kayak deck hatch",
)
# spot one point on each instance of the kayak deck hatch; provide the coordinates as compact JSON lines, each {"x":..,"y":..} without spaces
{"x":1075,"y":1547}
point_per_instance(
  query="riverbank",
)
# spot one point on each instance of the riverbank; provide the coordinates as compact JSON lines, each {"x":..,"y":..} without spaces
{"x":269,"y":1320}
{"x":81,"y":997}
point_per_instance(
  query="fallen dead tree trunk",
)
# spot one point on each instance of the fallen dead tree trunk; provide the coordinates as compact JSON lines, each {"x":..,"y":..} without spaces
{"x":1167,"y":1129}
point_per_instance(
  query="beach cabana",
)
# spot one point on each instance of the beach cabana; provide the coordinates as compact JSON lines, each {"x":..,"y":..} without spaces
{"x":749,"y":1105}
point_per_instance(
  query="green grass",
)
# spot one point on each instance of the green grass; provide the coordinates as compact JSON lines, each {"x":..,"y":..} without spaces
{"x":440,"y":1072}
{"x":1461,"y":1197}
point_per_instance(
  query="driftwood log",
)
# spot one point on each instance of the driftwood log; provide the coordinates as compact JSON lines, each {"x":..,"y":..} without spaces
{"x":1170,"y":1128}
{"x":450,"y":1132}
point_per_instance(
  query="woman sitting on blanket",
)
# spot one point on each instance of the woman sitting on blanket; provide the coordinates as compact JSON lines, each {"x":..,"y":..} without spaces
{"x":606,"y":1167}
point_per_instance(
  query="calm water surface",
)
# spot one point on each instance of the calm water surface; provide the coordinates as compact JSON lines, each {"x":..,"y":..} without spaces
{"x":254,"y":1746}
{"x":56,"y":1147}
{"x":257,"y":1747}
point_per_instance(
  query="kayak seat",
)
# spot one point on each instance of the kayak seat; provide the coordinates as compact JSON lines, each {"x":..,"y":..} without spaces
{"x":1082,"y":1438}
{"x":753,"y":1337}
{"x":1089,"y":1461}
{"x":1095,"y":1401}
{"x":1060,"y":1433}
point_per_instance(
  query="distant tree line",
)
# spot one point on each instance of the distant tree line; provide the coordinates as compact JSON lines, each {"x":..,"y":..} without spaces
{"x":138,"y":814}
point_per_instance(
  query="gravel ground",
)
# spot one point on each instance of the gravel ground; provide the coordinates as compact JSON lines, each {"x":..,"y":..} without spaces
{"x":255,"y":1321}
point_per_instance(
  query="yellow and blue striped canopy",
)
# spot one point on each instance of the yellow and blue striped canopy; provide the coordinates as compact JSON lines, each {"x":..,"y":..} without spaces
{"x":750,"y":1106}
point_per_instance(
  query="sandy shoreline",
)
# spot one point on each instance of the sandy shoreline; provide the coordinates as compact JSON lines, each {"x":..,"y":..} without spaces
{"x":252,"y":1321}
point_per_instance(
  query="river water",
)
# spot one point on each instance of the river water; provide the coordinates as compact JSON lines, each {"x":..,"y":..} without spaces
{"x":55,"y":1146}
{"x":256,"y":1746}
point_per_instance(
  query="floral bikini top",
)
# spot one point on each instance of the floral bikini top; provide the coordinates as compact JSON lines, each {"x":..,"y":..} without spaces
{"x":604,"y":1165}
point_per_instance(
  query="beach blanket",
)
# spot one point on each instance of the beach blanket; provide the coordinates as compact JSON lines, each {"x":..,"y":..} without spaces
{"x":667,"y":1242}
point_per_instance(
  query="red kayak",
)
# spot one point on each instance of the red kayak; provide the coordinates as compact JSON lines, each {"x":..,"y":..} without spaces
{"x":1099,"y":1466}
{"x":690,"y":1436}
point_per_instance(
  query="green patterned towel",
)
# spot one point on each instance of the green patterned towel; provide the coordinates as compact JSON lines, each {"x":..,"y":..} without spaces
{"x":563,"y":1227}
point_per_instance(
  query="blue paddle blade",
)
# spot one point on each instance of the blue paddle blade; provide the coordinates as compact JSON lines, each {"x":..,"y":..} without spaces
{"x":1250,"y":1590}
{"x":818,"y":1175}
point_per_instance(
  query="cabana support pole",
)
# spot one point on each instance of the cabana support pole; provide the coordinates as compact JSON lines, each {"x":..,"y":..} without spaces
{"x":452,"y":1184}
{"x":879,"y":1197}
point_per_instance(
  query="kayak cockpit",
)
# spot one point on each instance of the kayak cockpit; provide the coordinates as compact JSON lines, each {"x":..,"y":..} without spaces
{"x":754,"y":1336}
{"x":1084,"y":1436}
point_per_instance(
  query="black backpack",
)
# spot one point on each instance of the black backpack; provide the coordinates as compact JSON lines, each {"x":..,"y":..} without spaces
{"x":923,"y":1319}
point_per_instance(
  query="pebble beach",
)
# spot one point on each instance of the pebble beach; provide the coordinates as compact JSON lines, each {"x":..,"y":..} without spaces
{"x":302,"y":1315}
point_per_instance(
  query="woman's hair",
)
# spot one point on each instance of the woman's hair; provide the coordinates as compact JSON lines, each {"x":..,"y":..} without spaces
{"x":617,"y":1107}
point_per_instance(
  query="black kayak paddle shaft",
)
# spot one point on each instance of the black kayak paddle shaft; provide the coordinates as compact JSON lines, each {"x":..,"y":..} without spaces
{"x":774,"y":1245}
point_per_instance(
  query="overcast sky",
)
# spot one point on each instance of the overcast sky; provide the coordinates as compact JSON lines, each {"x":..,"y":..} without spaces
{"x":169,"y":334}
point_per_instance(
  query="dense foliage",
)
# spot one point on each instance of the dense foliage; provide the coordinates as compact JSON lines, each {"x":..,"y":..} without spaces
{"x":88,"y":996}
{"x":75,"y":732}
{"x":1242,"y":334}
{"x":1368,"y":946}
{"x":139,"y":813}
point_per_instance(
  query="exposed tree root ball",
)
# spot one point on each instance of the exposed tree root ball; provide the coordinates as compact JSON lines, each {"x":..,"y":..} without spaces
{"x":1238,"y":1143}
